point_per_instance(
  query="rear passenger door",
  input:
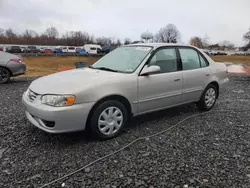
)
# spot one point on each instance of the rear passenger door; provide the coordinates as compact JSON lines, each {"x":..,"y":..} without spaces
{"x":196,"y":73}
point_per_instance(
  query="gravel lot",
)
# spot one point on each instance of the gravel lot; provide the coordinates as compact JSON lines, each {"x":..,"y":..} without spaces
{"x":211,"y":150}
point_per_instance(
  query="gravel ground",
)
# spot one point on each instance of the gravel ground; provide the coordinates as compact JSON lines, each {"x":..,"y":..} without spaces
{"x":210,"y":150}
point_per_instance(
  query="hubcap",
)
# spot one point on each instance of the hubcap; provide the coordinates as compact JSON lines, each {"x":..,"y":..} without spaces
{"x":210,"y":97}
{"x":4,"y":75}
{"x":110,"y":120}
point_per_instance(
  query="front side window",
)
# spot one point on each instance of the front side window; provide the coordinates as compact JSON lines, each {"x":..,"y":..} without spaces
{"x":166,"y":59}
{"x":190,"y":58}
{"x":124,"y":59}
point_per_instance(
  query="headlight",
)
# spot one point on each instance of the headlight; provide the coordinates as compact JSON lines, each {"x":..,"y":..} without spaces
{"x":58,"y":100}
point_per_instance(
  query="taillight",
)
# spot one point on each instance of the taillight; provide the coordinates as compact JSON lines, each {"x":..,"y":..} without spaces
{"x":16,"y":60}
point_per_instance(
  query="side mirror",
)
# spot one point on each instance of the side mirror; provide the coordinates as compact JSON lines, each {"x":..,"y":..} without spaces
{"x":150,"y":70}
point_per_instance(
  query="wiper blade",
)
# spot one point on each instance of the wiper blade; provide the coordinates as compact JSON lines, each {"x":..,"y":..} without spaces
{"x":104,"y":68}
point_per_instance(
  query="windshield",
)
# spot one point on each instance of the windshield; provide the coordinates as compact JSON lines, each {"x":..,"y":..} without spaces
{"x":124,"y":59}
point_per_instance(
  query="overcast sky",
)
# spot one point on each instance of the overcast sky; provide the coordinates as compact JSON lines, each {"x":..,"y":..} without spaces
{"x":219,"y":19}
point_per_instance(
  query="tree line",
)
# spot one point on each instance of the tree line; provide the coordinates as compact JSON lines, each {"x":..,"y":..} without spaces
{"x":51,"y":36}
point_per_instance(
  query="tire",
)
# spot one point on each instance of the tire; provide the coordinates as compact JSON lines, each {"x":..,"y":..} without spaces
{"x":4,"y":75}
{"x":210,"y":93}
{"x":111,"y":125}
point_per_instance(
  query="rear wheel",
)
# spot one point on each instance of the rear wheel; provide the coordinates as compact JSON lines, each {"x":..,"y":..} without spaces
{"x":108,"y":119}
{"x":208,"y":98}
{"x":4,"y":75}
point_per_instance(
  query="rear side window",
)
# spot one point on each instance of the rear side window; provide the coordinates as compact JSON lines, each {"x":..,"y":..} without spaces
{"x":190,"y":58}
{"x":15,"y":47}
{"x":203,"y":61}
{"x":31,"y":47}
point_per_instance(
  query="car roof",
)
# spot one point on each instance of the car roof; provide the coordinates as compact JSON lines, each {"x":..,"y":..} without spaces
{"x":156,"y":45}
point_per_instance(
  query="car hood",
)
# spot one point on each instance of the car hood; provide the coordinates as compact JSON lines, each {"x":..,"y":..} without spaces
{"x":72,"y":81}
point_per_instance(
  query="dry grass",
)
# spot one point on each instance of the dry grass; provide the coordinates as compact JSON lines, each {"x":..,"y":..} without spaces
{"x":40,"y":66}
{"x":235,"y":59}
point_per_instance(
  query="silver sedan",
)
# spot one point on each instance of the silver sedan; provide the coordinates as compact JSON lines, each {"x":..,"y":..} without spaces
{"x":10,"y":65}
{"x":129,"y":81}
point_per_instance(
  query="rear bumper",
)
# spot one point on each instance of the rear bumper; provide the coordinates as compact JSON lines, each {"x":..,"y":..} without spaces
{"x":223,"y":84}
{"x":16,"y":68}
{"x":63,"y":119}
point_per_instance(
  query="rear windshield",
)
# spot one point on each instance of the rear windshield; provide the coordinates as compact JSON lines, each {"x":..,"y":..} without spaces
{"x":15,"y":47}
{"x":32,"y":47}
{"x":92,"y":48}
{"x":71,"y":48}
{"x":64,"y":48}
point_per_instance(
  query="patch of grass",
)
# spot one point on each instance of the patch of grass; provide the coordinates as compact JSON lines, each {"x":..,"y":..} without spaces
{"x":40,"y":66}
{"x":235,"y":59}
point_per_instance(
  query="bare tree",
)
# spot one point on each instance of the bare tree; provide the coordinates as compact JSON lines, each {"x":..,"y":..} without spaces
{"x":205,"y":41}
{"x":103,"y":41}
{"x":9,"y":33}
{"x":226,"y":44}
{"x":168,"y":34}
{"x":127,"y":41}
{"x":28,"y":34}
{"x":51,"y":33}
{"x":196,"y":41}
{"x":246,"y":36}
{"x":118,"y":42}
{"x":1,"y":32}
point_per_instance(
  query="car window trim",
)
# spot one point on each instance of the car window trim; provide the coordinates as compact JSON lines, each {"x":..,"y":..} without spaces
{"x":179,"y":65}
{"x":198,"y":52}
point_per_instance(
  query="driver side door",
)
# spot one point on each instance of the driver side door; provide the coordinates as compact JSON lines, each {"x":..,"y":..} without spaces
{"x":164,"y":89}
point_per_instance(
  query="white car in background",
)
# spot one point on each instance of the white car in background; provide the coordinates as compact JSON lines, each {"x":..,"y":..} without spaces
{"x":92,"y":48}
{"x":65,"y":49}
{"x":71,"y":49}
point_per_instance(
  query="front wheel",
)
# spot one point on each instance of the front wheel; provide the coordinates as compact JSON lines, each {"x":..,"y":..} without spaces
{"x":4,"y":75}
{"x":208,"y":98}
{"x":108,"y":119}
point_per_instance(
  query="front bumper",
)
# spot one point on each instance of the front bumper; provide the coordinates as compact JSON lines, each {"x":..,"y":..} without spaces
{"x":66,"y":119}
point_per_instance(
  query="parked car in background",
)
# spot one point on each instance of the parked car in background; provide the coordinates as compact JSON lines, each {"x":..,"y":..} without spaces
{"x":14,"y":49}
{"x":1,"y":48}
{"x":133,"y":80}
{"x":23,"y":49}
{"x":107,"y":49}
{"x":92,"y":48}
{"x":81,"y":51}
{"x":71,"y":49}
{"x":65,"y":49}
{"x":42,"y":49}
{"x":57,"y":51}
{"x":10,"y":66}
{"x":48,"y":51}
{"x":32,"y":49}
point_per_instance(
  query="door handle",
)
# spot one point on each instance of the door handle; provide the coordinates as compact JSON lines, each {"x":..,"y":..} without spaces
{"x":207,"y":74}
{"x":178,"y":79}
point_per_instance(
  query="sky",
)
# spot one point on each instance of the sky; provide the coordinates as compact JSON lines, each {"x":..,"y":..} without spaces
{"x":218,"y":19}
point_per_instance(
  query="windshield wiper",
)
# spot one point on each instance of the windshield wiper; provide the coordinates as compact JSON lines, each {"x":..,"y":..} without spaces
{"x":104,"y":68}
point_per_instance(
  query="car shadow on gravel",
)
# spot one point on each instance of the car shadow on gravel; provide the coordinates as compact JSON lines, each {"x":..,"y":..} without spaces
{"x":85,"y":137}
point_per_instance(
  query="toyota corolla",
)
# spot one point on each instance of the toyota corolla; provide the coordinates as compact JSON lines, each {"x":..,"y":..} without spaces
{"x":129,"y":81}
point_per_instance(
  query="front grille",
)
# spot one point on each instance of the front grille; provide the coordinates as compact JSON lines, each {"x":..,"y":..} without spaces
{"x":32,"y":95}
